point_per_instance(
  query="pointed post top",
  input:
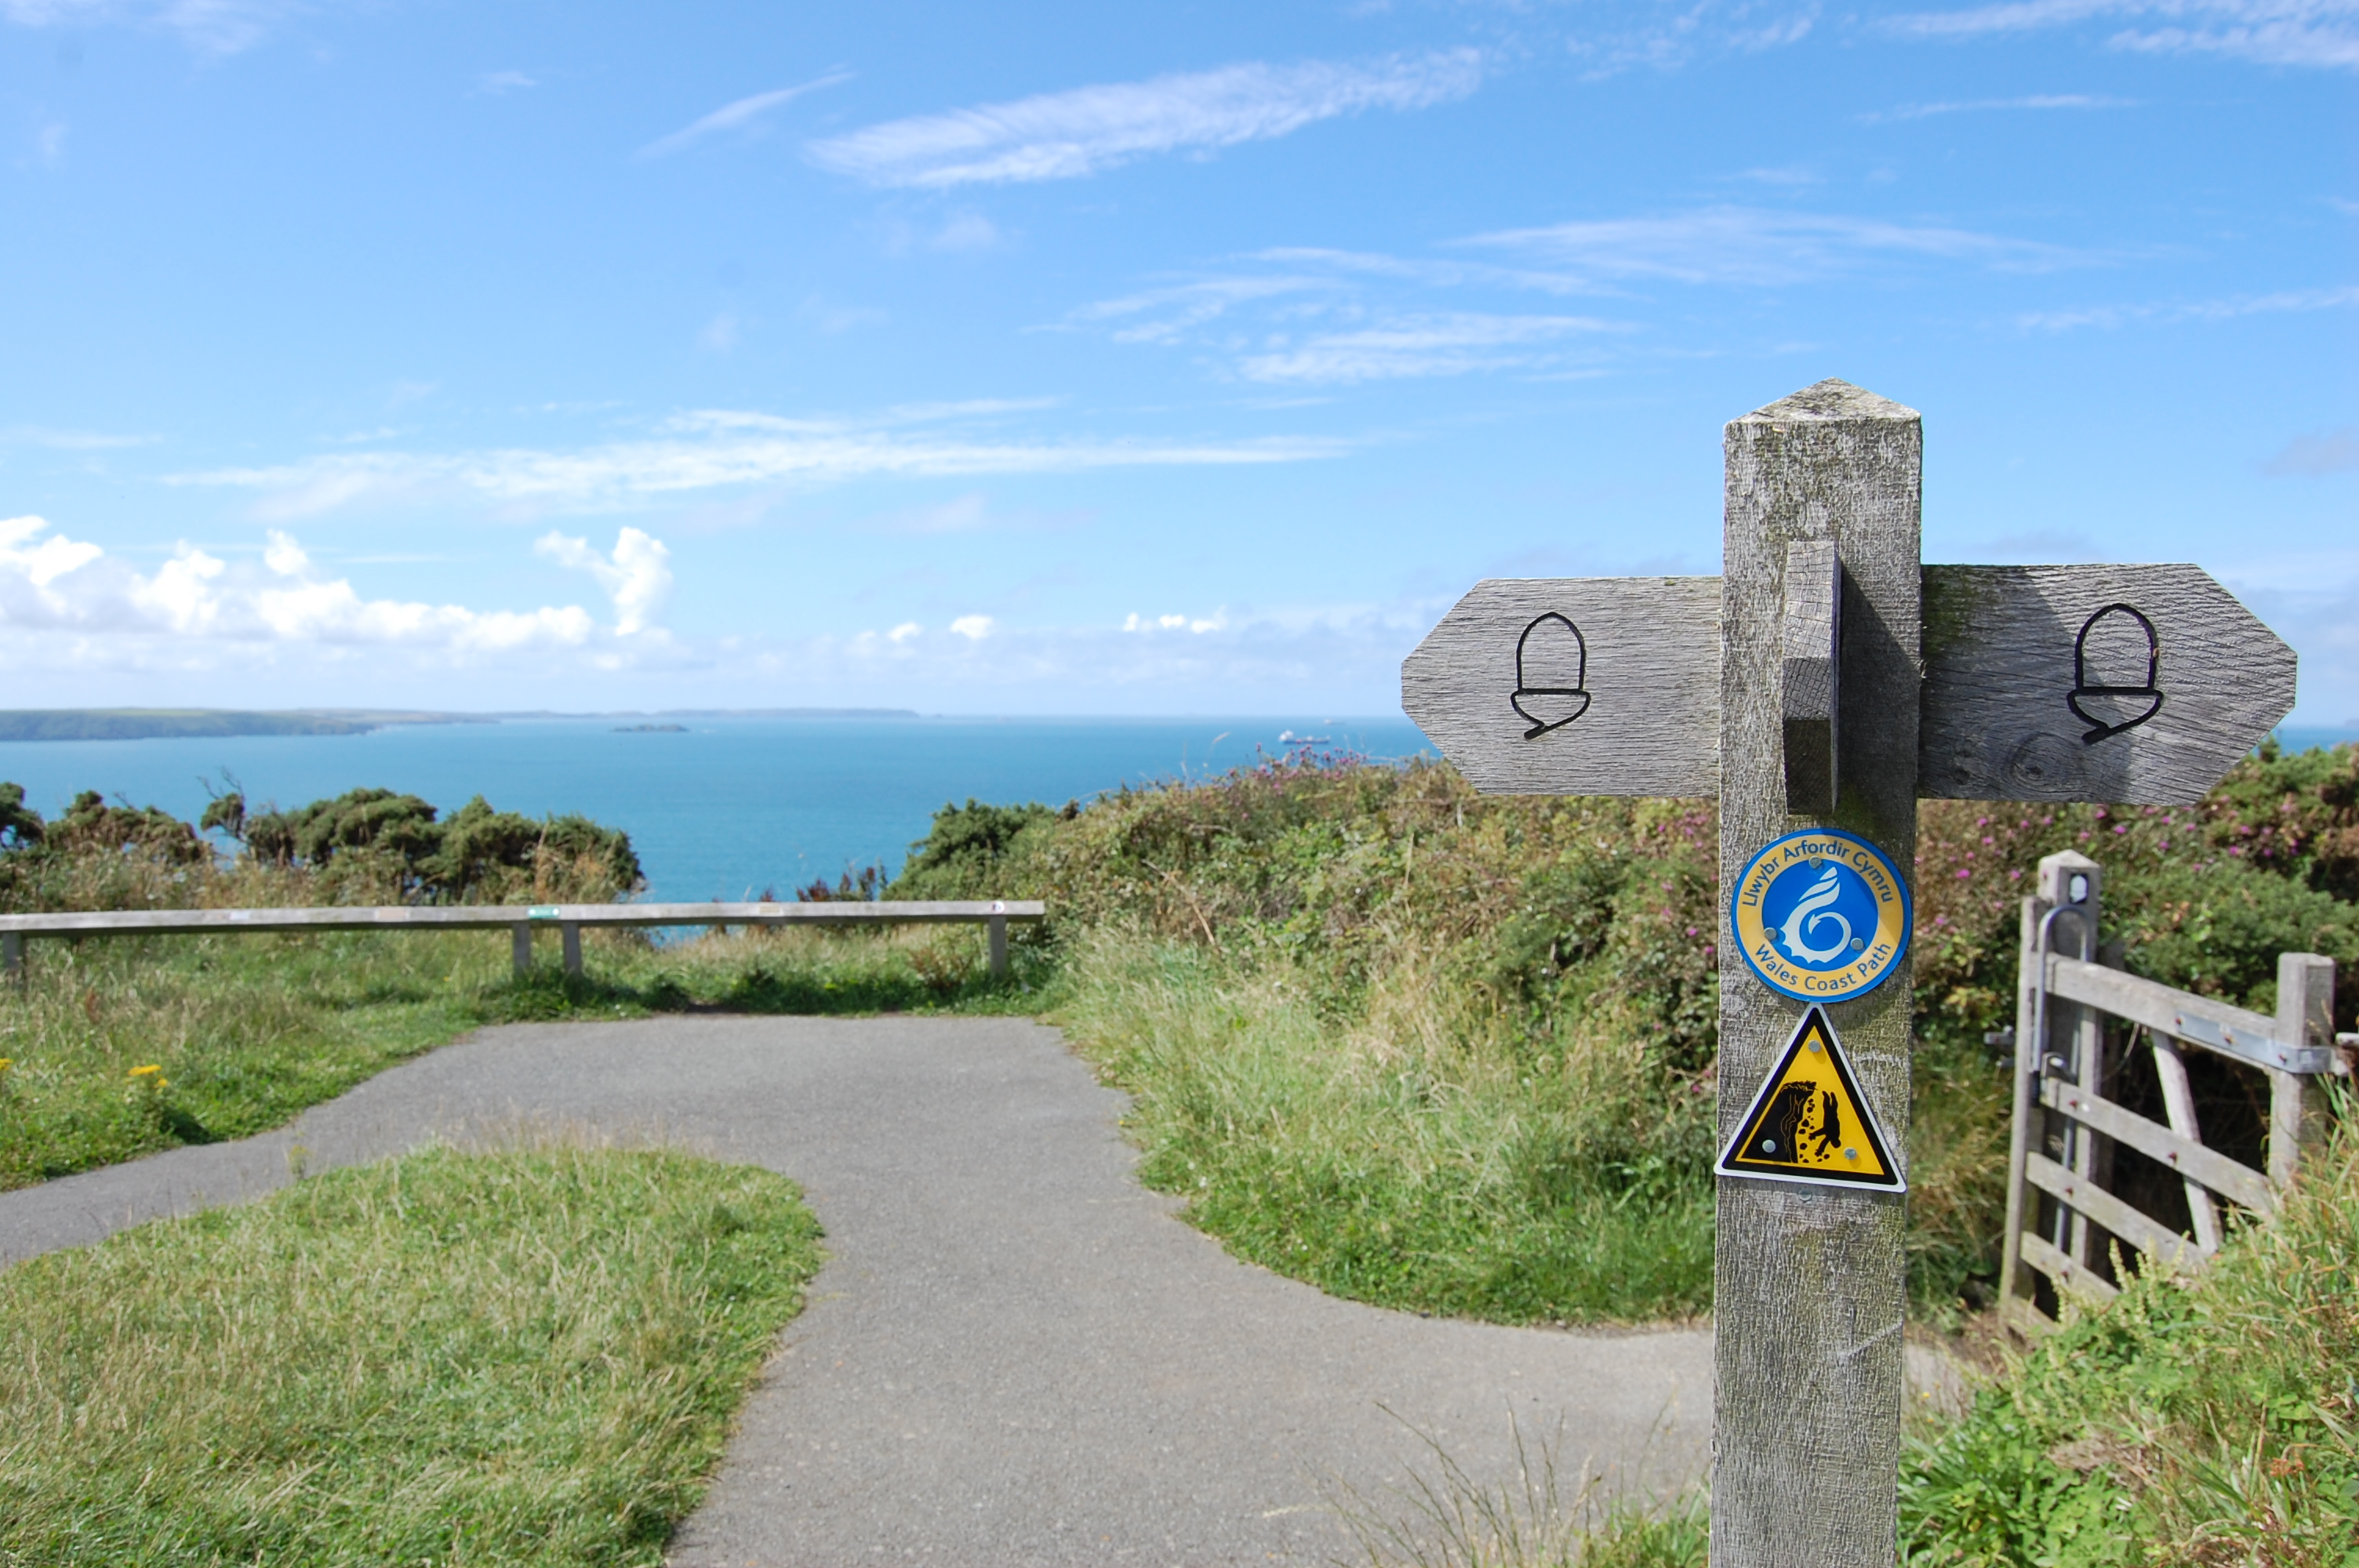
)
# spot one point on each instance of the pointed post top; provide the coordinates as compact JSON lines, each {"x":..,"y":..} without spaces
{"x":1829,"y":399}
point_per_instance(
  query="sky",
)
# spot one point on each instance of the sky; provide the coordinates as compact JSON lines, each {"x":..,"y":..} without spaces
{"x":1041,"y":359}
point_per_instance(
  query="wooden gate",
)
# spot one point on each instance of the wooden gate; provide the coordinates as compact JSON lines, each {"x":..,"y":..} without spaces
{"x":2078,"y":1022}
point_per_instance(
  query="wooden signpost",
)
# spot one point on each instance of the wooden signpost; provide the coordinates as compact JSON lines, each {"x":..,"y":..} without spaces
{"x":1820,"y":686}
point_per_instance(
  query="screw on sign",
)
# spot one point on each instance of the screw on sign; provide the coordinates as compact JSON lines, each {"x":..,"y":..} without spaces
{"x":1820,"y":686}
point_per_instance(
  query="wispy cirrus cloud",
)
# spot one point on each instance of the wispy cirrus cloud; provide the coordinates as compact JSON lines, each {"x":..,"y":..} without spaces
{"x":1763,"y":247}
{"x":1084,"y":131}
{"x":743,"y":117}
{"x":2283,"y":300}
{"x":2317,"y":33}
{"x":715,"y":450}
{"x":1987,"y":105}
{"x":1446,"y":343}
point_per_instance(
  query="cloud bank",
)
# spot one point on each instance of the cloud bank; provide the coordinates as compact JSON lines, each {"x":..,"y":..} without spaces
{"x":53,"y":585}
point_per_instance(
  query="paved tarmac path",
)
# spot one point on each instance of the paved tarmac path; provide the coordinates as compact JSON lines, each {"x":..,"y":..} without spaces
{"x":1015,"y":1354}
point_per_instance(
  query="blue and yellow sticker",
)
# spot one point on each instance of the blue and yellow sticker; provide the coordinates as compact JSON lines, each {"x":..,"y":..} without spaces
{"x":1820,"y":916}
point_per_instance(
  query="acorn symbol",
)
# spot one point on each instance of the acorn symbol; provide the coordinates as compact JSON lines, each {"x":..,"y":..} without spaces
{"x":2124,"y":697}
{"x":1556,"y":654}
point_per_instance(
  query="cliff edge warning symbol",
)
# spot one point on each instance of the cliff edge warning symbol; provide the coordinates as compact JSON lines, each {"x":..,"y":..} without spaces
{"x":1809,"y":1122}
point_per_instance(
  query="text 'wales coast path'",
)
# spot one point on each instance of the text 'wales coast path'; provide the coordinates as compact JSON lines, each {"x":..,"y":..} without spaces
{"x":1014,"y":1354}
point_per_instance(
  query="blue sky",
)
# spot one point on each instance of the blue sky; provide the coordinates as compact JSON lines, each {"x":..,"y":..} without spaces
{"x":1088,"y":359}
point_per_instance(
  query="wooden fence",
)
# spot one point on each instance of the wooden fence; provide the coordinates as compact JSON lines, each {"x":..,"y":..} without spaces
{"x":2078,"y":1020}
{"x":995,"y":915}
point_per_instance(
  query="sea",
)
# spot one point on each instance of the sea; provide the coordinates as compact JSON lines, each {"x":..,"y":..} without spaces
{"x":729,"y":807}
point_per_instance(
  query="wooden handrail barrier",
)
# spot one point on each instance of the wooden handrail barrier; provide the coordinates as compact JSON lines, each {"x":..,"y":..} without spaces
{"x":522,"y":920}
{"x":2065,"y":1130}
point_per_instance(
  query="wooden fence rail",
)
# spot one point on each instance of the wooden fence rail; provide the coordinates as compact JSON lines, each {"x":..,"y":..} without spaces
{"x":522,"y":920}
{"x":2066,"y":1129}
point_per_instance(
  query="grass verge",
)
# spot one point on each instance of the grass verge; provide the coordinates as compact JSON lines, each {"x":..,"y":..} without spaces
{"x":528,"y":1355}
{"x":246,"y":1031}
{"x":1392,"y":1159}
{"x":2210,"y":1422}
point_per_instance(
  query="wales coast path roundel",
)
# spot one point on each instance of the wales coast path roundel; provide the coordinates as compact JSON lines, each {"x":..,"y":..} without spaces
{"x":1820,"y":916}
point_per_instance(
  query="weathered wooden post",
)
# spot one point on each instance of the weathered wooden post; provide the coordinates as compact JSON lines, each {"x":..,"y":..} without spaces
{"x":570,"y":937}
{"x":1820,"y":688}
{"x":1809,"y":1295}
{"x":2298,"y":1100}
{"x":996,"y":928}
{"x":12,"y":957}
{"x":520,"y":947}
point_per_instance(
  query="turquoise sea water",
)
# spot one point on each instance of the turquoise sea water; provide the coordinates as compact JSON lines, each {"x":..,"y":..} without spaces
{"x":729,"y":808}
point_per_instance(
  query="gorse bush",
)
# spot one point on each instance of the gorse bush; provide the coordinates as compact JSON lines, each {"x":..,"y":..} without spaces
{"x":367,"y":846}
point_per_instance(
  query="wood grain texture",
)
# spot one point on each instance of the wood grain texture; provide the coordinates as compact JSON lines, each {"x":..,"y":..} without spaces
{"x":2298,"y":1108}
{"x":2084,"y":1196}
{"x":1997,"y":722}
{"x":2222,"y":1028}
{"x":1809,"y":1297}
{"x":1813,"y":591}
{"x":2184,"y":1154}
{"x":1646,"y":720}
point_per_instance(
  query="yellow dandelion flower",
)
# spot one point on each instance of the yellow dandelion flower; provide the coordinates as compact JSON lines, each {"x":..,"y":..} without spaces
{"x":143,"y":1072}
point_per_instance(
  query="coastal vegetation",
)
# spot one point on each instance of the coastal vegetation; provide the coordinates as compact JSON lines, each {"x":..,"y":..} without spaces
{"x":522,"y":1354}
{"x":1416,"y":1047}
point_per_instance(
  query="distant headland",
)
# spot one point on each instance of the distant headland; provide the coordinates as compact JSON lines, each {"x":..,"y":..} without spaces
{"x":158,"y":723}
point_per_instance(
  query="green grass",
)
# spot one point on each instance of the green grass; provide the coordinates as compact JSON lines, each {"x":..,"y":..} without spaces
{"x":528,"y":1355}
{"x":1391,"y":1159}
{"x":2210,"y":1422}
{"x":248,"y":1031}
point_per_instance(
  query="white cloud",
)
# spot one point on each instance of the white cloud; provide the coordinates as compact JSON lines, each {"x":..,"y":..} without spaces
{"x":495,"y":82}
{"x":637,"y":578}
{"x":904,"y":632}
{"x":55,"y":588}
{"x":713,"y":449}
{"x":973,"y":628}
{"x":1065,"y":135}
{"x":1764,"y":247}
{"x":2320,"y":33}
{"x":2291,"y":299}
{"x":1980,"y":105}
{"x":744,"y":116}
{"x":1445,"y":344}
{"x":1216,"y":621}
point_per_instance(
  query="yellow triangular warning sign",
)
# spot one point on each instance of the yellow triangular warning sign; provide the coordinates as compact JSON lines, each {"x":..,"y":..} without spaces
{"x":1809,"y":1122}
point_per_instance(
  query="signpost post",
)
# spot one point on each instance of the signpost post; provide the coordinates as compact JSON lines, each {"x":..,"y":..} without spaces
{"x":1821,"y":686}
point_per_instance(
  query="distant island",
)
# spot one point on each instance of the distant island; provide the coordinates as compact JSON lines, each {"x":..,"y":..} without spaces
{"x":166,"y":724}
{"x":153,"y":723}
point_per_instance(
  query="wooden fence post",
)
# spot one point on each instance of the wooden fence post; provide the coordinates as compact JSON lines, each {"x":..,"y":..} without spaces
{"x":520,"y":947}
{"x":997,"y":926}
{"x":569,"y":933}
{"x":12,"y":957}
{"x":1809,"y":1292}
{"x":2298,"y":1100}
{"x":2073,"y":883}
